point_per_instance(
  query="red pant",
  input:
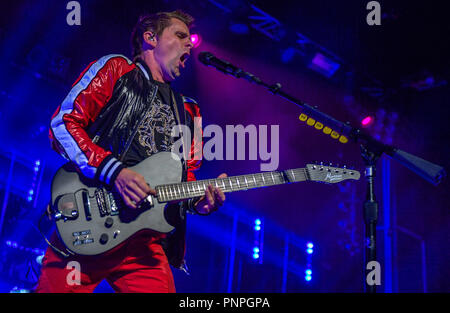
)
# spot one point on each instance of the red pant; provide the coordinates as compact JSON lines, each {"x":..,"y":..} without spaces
{"x":139,"y":265}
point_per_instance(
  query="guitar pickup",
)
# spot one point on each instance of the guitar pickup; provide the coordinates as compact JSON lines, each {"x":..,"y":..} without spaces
{"x":86,"y":205}
{"x":101,"y":202}
{"x":112,"y":204}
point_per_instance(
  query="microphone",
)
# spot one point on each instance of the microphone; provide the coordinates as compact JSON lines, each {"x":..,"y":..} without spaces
{"x":209,"y":59}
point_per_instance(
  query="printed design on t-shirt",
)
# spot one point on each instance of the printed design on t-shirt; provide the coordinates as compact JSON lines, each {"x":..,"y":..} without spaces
{"x":156,"y":129}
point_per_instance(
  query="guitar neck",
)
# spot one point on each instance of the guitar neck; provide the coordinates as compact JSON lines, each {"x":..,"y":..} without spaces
{"x":186,"y":190}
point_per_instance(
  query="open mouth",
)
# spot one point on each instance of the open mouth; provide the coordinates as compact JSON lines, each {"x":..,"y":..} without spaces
{"x":184,"y":58}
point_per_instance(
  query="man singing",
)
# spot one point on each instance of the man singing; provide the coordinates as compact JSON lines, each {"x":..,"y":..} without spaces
{"x":118,"y":113}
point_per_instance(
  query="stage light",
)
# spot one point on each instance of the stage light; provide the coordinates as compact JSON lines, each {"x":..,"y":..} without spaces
{"x":257,"y":224}
{"x":367,"y":121}
{"x":239,"y":28}
{"x":30,"y":195}
{"x":196,"y":40}
{"x":310,"y":245}
{"x":19,"y":290}
{"x":308,"y":278}
{"x":308,"y":272}
{"x":309,"y":251}
{"x":258,"y":240}
{"x":323,"y":65}
{"x":15,"y":245}
{"x":287,"y":55}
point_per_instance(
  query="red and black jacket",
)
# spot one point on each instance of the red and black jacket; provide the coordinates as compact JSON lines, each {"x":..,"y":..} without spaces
{"x":97,"y":121}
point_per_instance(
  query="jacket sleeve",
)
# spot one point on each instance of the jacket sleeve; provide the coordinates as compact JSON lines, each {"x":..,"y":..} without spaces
{"x":89,"y":94}
{"x":196,"y":152}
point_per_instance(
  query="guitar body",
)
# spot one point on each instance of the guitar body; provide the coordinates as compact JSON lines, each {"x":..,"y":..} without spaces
{"x":90,"y":220}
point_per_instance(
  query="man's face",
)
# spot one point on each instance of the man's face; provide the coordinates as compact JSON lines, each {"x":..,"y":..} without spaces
{"x":172,"y":49}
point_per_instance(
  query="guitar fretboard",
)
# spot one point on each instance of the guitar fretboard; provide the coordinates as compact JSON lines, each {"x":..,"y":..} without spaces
{"x":186,"y":190}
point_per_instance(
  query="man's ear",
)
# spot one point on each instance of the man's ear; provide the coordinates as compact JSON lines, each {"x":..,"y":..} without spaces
{"x":150,"y":38}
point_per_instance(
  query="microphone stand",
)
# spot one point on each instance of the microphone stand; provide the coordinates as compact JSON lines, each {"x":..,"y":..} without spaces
{"x":371,"y":150}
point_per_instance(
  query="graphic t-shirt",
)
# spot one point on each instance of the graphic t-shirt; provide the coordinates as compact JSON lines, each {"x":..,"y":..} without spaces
{"x":154,"y":132}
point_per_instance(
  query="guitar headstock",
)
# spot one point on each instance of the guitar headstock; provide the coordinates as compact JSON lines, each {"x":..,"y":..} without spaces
{"x":329,"y":174}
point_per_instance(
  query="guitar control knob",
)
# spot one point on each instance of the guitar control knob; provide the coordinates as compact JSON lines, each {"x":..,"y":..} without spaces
{"x":103,"y":239}
{"x":109,"y":222}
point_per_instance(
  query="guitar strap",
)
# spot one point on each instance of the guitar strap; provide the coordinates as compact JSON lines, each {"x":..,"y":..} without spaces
{"x":176,"y":104}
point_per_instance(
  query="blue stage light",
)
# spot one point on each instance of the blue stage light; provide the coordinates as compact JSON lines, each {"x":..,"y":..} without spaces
{"x":309,"y":251}
{"x":257,"y":244}
{"x":308,"y":272}
{"x":308,"y":278}
{"x":239,"y":28}
{"x":287,"y":55}
{"x":310,"y":245}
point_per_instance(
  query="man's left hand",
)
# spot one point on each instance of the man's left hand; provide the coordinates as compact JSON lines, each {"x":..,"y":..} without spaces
{"x":212,"y":200}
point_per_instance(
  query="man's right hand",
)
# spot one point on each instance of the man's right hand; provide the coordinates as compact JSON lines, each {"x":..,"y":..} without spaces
{"x":132,"y":187}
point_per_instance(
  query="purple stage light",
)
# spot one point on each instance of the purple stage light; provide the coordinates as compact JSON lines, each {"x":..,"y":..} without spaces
{"x":324,"y":65}
{"x":368,"y":120}
{"x":196,"y":40}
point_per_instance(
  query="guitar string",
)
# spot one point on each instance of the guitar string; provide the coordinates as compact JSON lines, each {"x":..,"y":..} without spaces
{"x":259,"y":179}
{"x":197,"y":188}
